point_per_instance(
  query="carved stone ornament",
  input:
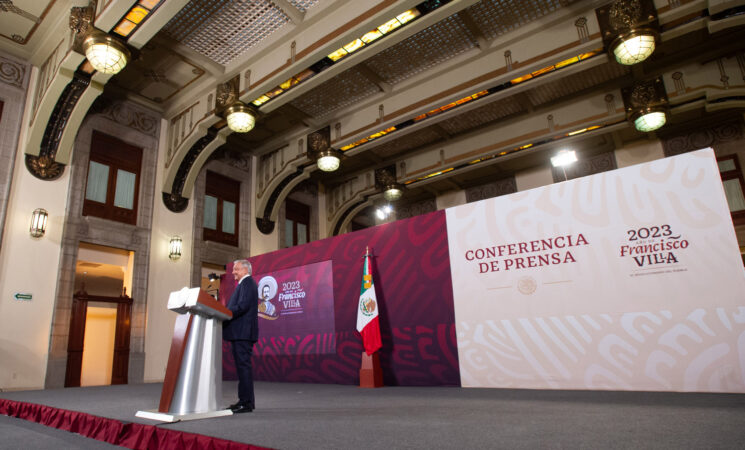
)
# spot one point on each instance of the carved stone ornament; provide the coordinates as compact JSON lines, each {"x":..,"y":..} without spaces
{"x":175,"y":202}
{"x":81,"y":18}
{"x":624,"y":14}
{"x":266,"y":226}
{"x":44,"y":167}
{"x":385,"y":176}
{"x":319,"y":140}
{"x":226,"y":93}
{"x":644,"y":94}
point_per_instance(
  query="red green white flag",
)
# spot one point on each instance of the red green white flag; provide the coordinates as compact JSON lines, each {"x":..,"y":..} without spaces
{"x":367,"y":312}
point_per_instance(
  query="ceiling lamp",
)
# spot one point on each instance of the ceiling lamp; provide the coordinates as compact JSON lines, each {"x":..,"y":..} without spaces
{"x":646,"y":105}
{"x":634,"y":47}
{"x":393,"y":192}
{"x":650,"y":121}
{"x":329,"y":160}
{"x":629,"y":29}
{"x":105,"y":53}
{"x":240,"y":118}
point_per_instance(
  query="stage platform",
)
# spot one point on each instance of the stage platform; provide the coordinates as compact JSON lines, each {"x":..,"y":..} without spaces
{"x":313,"y":416}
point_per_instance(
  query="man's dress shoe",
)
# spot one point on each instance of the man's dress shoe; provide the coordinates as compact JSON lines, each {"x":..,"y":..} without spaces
{"x":241,"y":408}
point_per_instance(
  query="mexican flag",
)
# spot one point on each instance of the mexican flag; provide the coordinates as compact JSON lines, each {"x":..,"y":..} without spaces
{"x":367,"y":312}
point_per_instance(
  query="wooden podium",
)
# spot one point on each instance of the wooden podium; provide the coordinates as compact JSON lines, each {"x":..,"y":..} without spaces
{"x":193,"y":383}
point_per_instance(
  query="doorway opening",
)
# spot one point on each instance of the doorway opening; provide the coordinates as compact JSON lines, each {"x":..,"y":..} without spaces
{"x":98,"y":343}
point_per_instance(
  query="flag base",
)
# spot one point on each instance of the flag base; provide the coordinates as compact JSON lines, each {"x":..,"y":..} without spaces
{"x":371,"y":375}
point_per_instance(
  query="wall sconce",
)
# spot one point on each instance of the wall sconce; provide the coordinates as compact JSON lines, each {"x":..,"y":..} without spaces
{"x":38,"y":223}
{"x":241,"y":118}
{"x":629,"y":29}
{"x":213,"y":277}
{"x":329,"y":160}
{"x":646,"y":105}
{"x":174,"y":248}
{"x":105,"y":53}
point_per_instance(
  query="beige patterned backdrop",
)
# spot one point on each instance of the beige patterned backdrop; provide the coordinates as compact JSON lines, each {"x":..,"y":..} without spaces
{"x":629,"y":279}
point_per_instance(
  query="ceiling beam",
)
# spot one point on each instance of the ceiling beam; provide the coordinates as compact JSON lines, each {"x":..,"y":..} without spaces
{"x":374,"y":78}
{"x":468,"y":21}
{"x":292,"y":13}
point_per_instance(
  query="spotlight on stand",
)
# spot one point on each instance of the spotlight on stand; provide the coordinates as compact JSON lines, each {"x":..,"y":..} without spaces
{"x":629,"y":29}
{"x":563,"y":159}
{"x":646,"y":105}
{"x":383,"y":212}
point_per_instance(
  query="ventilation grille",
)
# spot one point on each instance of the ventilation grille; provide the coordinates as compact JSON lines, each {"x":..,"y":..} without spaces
{"x":225,"y":29}
{"x":303,"y":5}
{"x":343,"y":90}
{"x":422,"y":51}
{"x":411,"y":141}
{"x":497,"y":17}
{"x":576,"y":83}
{"x":491,"y":112}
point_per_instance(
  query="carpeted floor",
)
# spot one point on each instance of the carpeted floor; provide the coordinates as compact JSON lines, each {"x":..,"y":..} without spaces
{"x":311,"y":416}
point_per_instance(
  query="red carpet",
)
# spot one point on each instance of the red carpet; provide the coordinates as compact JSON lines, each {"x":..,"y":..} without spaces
{"x":130,"y":435}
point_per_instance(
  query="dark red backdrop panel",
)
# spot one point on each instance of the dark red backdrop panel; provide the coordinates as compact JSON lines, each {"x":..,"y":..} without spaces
{"x":411,"y":271}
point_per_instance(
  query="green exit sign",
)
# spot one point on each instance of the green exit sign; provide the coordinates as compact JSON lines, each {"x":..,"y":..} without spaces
{"x":23,"y":296}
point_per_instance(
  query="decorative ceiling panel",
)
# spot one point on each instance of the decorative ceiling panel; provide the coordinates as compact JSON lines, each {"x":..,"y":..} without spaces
{"x":497,"y":17}
{"x":422,"y":51}
{"x":158,"y":74}
{"x":343,"y":90}
{"x":491,"y":112}
{"x":408,"y":142}
{"x":569,"y":85}
{"x":303,"y":5}
{"x":225,"y":29}
{"x":20,"y":19}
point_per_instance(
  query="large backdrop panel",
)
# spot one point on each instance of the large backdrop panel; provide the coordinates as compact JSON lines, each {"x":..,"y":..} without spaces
{"x":308,"y":333}
{"x":625,"y":280}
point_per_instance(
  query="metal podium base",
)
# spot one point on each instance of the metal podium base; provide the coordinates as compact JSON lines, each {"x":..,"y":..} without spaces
{"x":168,"y":417}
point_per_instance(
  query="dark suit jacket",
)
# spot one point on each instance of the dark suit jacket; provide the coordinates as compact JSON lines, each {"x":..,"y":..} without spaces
{"x":244,"y":303}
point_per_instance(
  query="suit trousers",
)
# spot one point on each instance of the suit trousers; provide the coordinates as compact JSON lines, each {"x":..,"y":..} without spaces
{"x":242,"y":351}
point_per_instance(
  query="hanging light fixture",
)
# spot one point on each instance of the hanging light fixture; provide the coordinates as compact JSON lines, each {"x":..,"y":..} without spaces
{"x":105,"y":53}
{"x":241,"y":118}
{"x":634,"y":47}
{"x":650,"y":121}
{"x":629,"y":29}
{"x":38,"y":223}
{"x":329,"y":160}
{"x":174,"y":248}
{"x":646,"y":105}
{"x":393,"y":192}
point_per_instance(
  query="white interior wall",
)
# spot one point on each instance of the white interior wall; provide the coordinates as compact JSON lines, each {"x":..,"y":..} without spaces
{"x":165,"y":275}
{"x":30,"y":266}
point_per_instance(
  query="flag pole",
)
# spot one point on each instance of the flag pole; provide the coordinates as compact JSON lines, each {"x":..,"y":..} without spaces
{"x":371,"y":374}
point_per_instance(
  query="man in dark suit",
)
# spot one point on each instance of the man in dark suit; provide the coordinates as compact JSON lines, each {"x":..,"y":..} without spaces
{"x":242,"y":331}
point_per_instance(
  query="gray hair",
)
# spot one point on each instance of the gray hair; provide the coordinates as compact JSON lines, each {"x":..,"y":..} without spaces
{"x":245,"y":263}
